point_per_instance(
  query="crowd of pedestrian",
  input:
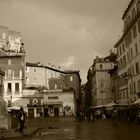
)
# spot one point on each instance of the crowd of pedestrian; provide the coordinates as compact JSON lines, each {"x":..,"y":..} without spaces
{"x":91,"y":115}
{"x":131,"y":114}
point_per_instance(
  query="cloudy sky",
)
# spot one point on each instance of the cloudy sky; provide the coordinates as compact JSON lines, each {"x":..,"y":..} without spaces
{"x":66,"y":33}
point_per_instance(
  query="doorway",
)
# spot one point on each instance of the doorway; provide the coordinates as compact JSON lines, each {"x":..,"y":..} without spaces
{"x":46,"y":112}
{"x":31,"y":113}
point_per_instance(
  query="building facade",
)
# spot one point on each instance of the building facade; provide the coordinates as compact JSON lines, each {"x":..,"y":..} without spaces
{"x":3,"y":113}
{"x":101,"y":82}
{"x":38,"y":75}
{"x":12,"y":61}
{"x":128,"y":54}
{"x":59,"y":103}
{"x":11,"y":40}
{"x":13,"y":66}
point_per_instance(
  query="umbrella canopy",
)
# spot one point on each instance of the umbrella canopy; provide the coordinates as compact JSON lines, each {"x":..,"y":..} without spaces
{"x":13,"y":108}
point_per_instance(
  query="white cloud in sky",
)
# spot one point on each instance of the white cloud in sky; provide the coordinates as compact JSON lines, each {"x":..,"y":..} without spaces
{"x":67,"y":33}
{"x":69,"y":62}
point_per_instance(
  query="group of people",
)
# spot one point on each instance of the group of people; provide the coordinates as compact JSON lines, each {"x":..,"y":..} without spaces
{"x":91,"y":115}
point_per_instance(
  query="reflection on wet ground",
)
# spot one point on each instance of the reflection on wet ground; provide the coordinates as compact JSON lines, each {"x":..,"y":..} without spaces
{"x":99,"y":130}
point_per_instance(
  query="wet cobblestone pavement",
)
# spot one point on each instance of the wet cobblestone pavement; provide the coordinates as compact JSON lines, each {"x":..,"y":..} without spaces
{"x":69,"y":129}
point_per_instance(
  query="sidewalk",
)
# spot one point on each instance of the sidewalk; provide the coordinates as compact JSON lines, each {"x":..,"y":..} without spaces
{"x":7,"y":134}
{"x":33,"y":125}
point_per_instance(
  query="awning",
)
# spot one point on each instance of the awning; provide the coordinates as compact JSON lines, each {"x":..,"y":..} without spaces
{"x":96,"y":107}
{"x":137,"y":101}
{"x":110,"y":105}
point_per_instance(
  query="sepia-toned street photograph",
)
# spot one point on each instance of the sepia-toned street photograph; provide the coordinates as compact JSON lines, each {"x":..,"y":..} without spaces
{"x":69,"y":69}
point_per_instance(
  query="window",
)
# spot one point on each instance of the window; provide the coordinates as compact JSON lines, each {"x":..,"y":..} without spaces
{"x":4,"y":36}
{"x":71,"y":78}
{"x":0,"y":90}
{"x":130,"y":88}
{"x":129,"y":20}
{"x":138,"y":6}
{"x":123,"y":48}
{"x":101,"y":67}
{"x":17,"y":87}
{"x":131,"y":53}
{"x":124,"y":59}
{"x":27,"y":69}
{"x":136,"y":48}
{"x":9,"y":103}
{"x":27,"y":80}
{"x":9,"y":61}
{"x":120,"y":50}
{"x":117,"y":52}
{"x":34,"y":70}
{"x":134,"y":32}
{"x":9,"y":87}
{"x":134,"y":85}
{"x":129,"y":38}
{"x":30,"y":102}
{"x":35,"y":78}
{"x":55,"y":86}
{"x":137,"y":67}
{"x":127,"y":56}
{"x":133,"y":13}
{"x":139,"y":25}
{"x":102,"y":85}
{"x":133,"y":70}
{"x":126,"y":42}
{"x":38,"y":110}
{"x":39,"y":101}
{"x":138,"y":85}
{"x":9,"y":72}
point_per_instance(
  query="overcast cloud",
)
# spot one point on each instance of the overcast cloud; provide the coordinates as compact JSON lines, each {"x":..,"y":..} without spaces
{"x":66,"y":33}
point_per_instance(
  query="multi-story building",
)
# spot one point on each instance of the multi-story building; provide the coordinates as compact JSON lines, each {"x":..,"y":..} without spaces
{"x":54,"y":81}
{"x":128,"y":54}
{"x":11,"y":40}
{"x":3,"y":114}
{"x":101,"y":83}
{"x":38,"y":75}
{"x":12,"y":61}
{"x":13,"y":66}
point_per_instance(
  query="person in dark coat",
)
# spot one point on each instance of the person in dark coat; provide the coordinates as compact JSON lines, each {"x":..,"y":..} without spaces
{"x":21,"y":119}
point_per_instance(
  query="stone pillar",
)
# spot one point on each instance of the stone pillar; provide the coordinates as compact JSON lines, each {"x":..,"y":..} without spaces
{"x":4,"y":120}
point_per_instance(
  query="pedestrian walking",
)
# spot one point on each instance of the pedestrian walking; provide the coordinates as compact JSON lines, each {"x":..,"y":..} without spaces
{"x":21,"y":119}
{"x":98,"y":114}
{"x":103,"y":116}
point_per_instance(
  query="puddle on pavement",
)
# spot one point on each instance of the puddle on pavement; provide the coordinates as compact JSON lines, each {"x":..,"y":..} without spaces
{"x":46,"y":133}
{"x":52,"y":132}
{"x":67,"y":130}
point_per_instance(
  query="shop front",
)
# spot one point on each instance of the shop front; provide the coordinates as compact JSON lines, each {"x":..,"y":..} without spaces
{"x":58,"y":104}
{"x":53,"y":109}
